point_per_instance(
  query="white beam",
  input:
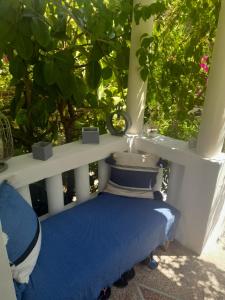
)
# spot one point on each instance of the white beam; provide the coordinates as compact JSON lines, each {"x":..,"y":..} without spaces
{"x":137,"y":88}
{"x":212,"y":128}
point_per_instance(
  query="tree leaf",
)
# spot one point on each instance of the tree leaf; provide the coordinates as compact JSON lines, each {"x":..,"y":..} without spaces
{"x":106,"y":73}
{"x":39,"y":5}
{"x":93,"y":74}
{"x":122,"y":59}
{"x":40,"y":31}
{"x":65,"y":81}
{"x":7,"y":33}
{"x":49,"y":72}
{"x":24,"y":26}
{"x":21,"y":117}
{"x":92,"y":100}
{"x":24,"y":46}
{"x":144,"y":74}
{"x":38,"y":74}
{"x":17,"y":101}
{"x":17,"y":67}
{"x":145,"y":43}
{"x":79,"y":90}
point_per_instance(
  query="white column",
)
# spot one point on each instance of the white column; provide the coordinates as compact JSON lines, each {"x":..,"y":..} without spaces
{"x":54,"y":187}
{"x":212,"y":129}
{"x":103,"y":174}
{"x":25,"y":193}
{"x":82,"y":183}
{"x":7,"y":291}
{"x":137,"y":88}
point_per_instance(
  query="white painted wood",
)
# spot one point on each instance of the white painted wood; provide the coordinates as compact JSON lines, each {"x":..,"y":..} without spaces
{"x":158,"y":185}
{"x":54,"y":187}
{"x":7,"y":291}
{"x":216,"y":223}
{"x":103,"y":174}
{"x":199,"y":197}
{"x":137,"y":88}
{"x":82,"y":183}
{"x":23,"y":170}
{"x":175,"y":182}
{"x":25,"y":193}
{"x":212,"y":128}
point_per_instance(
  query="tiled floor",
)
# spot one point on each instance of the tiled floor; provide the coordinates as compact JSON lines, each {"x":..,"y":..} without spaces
{"x":181,"y":275}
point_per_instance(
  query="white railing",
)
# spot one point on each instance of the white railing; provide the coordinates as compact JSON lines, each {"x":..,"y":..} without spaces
{"x":24,"y":170}
{"x":196,"y":184}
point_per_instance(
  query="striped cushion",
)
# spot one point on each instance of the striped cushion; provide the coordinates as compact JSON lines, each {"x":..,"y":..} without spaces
{"x":21,"y":225}
{"x":132,"y":174}
{"x":133,"y":178}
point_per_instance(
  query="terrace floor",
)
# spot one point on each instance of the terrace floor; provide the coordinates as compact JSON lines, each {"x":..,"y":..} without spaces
{"x":180,"y":275}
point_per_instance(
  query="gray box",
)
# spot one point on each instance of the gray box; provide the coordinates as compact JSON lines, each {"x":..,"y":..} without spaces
{"x":42,"y":150}
{"x":90,"y":135}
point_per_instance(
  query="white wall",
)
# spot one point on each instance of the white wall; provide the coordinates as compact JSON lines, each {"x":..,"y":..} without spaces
{"x":196,"y":188}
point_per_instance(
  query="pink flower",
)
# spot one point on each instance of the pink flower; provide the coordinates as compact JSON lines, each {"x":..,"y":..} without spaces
{"x":204,"y":67}
{"x":204,"y":59}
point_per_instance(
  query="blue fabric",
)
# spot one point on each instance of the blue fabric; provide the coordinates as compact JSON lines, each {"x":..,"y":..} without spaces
{"x":18,"y":219}
{"x":19,"y":288}
{"x":136,"y":178}
{"x":88,"y":247}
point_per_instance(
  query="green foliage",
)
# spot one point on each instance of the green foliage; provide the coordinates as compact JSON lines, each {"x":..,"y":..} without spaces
{"x":68,"y":63}
{"x":175,"y":59}
{"x":67,"y":60}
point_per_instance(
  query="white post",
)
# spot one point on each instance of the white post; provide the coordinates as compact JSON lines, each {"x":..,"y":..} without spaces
{"x":159,"y":181}
{"x":137,"y":88}
{"x":7,"y":291}
{"x":174,"y":184}
{"x":82,"y":184}
{"x":54,"y":187}
{"x":25,"y":193}
{"x":103,"y":174}
{"x":212,"y":129}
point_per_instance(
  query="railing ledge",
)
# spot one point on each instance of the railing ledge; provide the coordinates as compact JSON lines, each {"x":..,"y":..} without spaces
{"x":23,"y":170}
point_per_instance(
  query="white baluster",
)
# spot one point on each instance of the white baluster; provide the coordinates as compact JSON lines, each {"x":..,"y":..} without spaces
{"x":25,"y":193}
{"x":54,"y":188}
{"x":103,"y":174}
{"x":82,"y":183}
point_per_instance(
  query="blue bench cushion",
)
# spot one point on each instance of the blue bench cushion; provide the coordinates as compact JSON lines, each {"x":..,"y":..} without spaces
{"x":21,"y":225}
{"x":88,"y":247}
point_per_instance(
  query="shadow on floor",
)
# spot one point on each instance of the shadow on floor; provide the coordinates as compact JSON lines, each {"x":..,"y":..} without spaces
{"x":180,"y":275}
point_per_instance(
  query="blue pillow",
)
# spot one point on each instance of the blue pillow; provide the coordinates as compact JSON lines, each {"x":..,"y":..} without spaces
{"x":133,"y":178}
{"x":132,"y":174}
{"x":21,"y":225}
